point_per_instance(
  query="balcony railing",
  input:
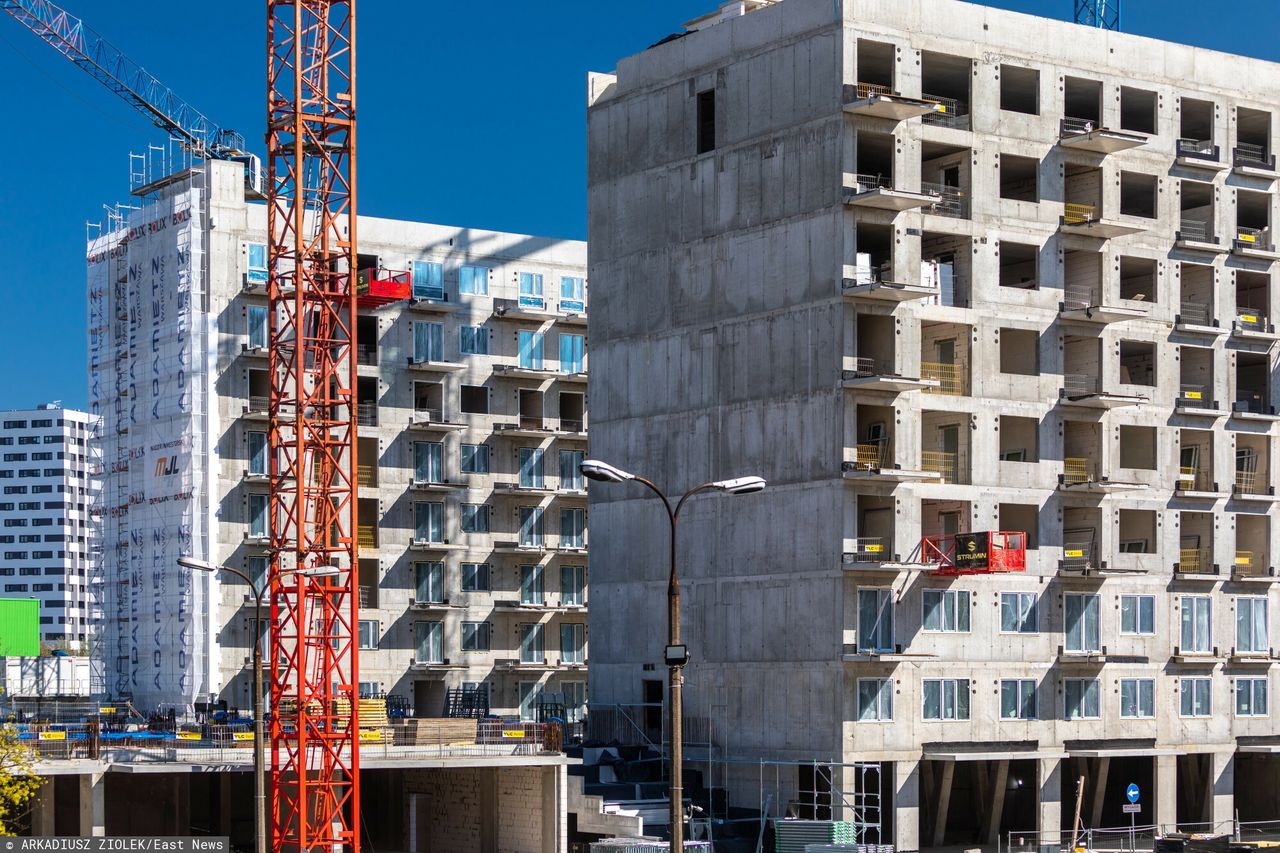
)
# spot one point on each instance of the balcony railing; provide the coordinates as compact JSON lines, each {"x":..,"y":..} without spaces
{"x":871,"y":457}
{"x":1193,"y":479}
{"x":368,"y":596}
{"x":367,"y":356}
{"x":953,"y":114}
{"x":431,"y":415}
{"x":952,"y":201}
{"x":1257,"y":239}
{"x":367,"y":474}
{"x":1074,"y":213}
{"x":1195,"y":560}
{"x":1076,"y":470}
{"x":1250,"y":319}
{"x":367,"y":414}
{"x":367,"y":535}
{"x":871,"y":90}
{"x":1195,"y":313}
{"x":864,"y":366}
{"x":865,"y":183}
{"x":1253,"y":156}
{"x":257,"y":405}
{"x":1197,"y":231}
{"x":1254,"y":403}
{"x":1079,"y":385}
{"x":950,"y":466}
{"x":1248,"y":482}
{"x":570,"y":425}
{"x":950,"y":377}
{"x":1076,"y":296}
{"x":1247,"y":563}
{"x":1194,"y":397}
{"x":870,"y":549}
{"x":1076,"y":126}
{"x":1200,"y":149}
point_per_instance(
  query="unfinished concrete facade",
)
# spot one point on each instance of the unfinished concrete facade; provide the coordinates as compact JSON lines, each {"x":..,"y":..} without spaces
{"x":472,"y":420}
{"x":935,"y":269}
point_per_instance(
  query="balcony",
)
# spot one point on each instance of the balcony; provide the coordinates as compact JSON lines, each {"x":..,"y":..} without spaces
{"x":876,"y":191}
{"x":367,"y":414}
{"x":514,"y":488}
{"x":1196,"y":317}
{"x":979,"y":553}
{"x":1196,"y":483}
{"x":870,"y":99}
{"x":253,"y":351}
{"x":1086,"y":135}
{"x":1251,"y":323}
{"x":526,"y":427}
{"x":1197,"y":235}
{"x":256,"y":408}
{"x":1084,"y":390}
{"x":1080,"y":476}
{"x":1252,"y":159}
{"x":426,"y":544}
{"x":947,"y":378}
{"x":1199,"y":154}
{"x":433,"y":366}
{"x":432,"y":420}
{"x":527,"y":307}
{"x":863,"y":281}
{"x":951,"y":112}
{"x":1087,"y":219}
{"x":1196,"y":401}
{"x":875,"y":554}
{"x":949,"y":201}
{"x":434,"y":486}
{"x":873,"y":463}
{"x":1254,"y":243}
{"x":436,"y":303}
{"x":1252,"y":566}
{"x":871,"y":374}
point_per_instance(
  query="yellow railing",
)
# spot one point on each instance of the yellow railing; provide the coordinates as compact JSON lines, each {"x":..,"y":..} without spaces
{"x":1075,"y":214}
{"x":949,"y":377}
{"x":367,"y":535}
{"x":1246,"y":481}
{"x":1189,"y":560}
{"x":871,"y":90}
{"x":367,"y":475}
{"x":946,"y":464}
{"x":1243,"y":562}
{"x":869,"y":457}
{"x":1076,"y":469}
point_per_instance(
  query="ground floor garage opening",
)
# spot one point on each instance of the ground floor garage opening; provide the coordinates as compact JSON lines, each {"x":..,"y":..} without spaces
{"x":1106,"y":777}
{"x":965,"y":802}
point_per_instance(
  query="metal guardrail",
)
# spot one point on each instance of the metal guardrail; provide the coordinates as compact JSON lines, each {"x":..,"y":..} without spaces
{"x":367,"y":414}
{"x":1251,"y":319}
{"x":367,"y":356}
{"x":1076,"y":469}
{"x":1079,"y":385}
{"x":869,"y":549}
{"x":950,"y":378}
{"x":1195,"y":560}
{"x":870,"y":457}
{"x":1195,"y":314}
{"x":952,"y":201}
{"x":1194,"y":397}
{"x":870,"y":90}
{"x":1249,"y":155}
{"x":1193,"y":479}
{"x":1200,"y":149}
{"x":954,"y":113}
{"x":1135,"y":839}
{"x":1197,"y":230}
{"x":257,"y":404}
{"x":1074,"y":213}
{"x":1076,"y":126}
{"x":1077,"y":554}
{"x":864,"y":366}
{"x":1258,"y":239}
{"x":1077,"y":296}
{"x":864,"y":183}
{"x":952,"y":467}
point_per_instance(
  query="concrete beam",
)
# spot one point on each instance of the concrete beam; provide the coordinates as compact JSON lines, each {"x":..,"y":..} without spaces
{"x":906,"y":805}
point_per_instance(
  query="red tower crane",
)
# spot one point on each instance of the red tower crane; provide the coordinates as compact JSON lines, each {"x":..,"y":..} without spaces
{"x":311,"y":148}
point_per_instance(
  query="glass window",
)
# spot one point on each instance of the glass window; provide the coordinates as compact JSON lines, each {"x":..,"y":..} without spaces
{"x":1194,"y":694}
{"x":257,"y":515}
{"x":428,"y":642}
{"x":573,"y":585}
{"x":1018,"y":613}
{"x":531,"y":290}
{"x":428,"y":462}
{"x":1251,"y":697}
{"x":530,"y":344}
{"x":256,"y":567}
{"x":532,"y":588}
{"x":475,"y":459}
{"x":946,"y":698}
{"x":428,"y":521}
{"x":1018,"y":699}
{"x":475,"y":518}
{"x":572,"y":348}
{"x":428,"y":342}
{"x":257,"y":268}
{"x":530,"y":467}
{"x":475,"y":577}
{"x":875,"y":700}
{"x":257,"y":317}
{"x":573,"y":642}
{"x":1082,"y":698}
{"x":532,"y":649}
{"x":571,"y":479}
{"x":530,"y":693}
{"x":428,"y":587}
{"x":428,"y":280}
{"x":573,"y":294}
{"x":531,"y":533}
{"x":368,"y":633}
{"x":475,"y":636}
{"x":473,"y":340}
{"x":875,"y":621}
{"x":474,"y":280}
{"x":1083,"y":630}
{"x":573,"y":528}
{"x":1137,"y":698}
{"x":257,"y":442}
{"x":1197,"y":616}
{"x":1137,"y":614}
{"x":946,"y":610}
{"x":575,"y":700}
{"x":1251,"y":624}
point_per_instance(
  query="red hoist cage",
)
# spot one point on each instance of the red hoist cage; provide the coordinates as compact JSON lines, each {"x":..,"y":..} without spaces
{"x":311,"y":141}
{"x":987,"y":552}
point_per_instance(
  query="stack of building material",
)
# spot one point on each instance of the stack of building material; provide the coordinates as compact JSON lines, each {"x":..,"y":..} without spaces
{"x":795,"y":836}
{"x":444,"y":731}
{"x":372,"y":713}
{"x":640,"y":845}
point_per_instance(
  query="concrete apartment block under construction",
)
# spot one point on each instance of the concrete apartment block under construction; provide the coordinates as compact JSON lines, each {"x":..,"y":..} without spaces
{"x":990,"y":300}
{"x":472,"y":421}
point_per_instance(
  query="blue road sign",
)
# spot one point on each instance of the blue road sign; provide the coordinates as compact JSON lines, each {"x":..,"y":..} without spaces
{"x":1131,"y":792}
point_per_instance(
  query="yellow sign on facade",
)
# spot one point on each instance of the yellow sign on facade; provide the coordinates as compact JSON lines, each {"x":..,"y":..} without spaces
{"x":189,"y":736}
{"x":242,"y":735}
{"x":53,"y":735}
{"x":371,"y":736}
{"x":513,"y":733}
{"x":1074,"y":552}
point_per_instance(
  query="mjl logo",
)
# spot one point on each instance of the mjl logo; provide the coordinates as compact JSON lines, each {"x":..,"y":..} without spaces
{"x":166,"y":465}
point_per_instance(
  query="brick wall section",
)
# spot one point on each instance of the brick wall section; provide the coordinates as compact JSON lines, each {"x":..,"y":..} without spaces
{"x":520,"y":810}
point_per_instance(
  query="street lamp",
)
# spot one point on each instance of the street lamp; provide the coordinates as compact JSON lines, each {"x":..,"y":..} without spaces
{"x":259,"y":762}
{"x":675,"y":655}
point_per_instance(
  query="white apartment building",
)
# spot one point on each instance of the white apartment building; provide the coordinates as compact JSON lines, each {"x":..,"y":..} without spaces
{"x":47,"y":530}
{"x":958,"y":282}
{"x":472,"y":420}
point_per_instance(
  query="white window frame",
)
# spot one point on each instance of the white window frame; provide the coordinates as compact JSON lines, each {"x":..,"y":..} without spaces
{"x":1138,"y":606}
{"x":481,"y":637}
{"x":1086,"y":686}
{"x":1025,"y":690}
{"x":369,"y":640}
{"x":1199,"y":706}
{"x":954,"y":611}
{"x":1187,"y":603}
{"x":880,"y":702}
{"x":949,"y":689}
{"x":1250,"y":684}
{"x":1139,"y":686}
{"x":1250,"y":625}
{"x":1022,"y":613}
{"x":1089,"y":642}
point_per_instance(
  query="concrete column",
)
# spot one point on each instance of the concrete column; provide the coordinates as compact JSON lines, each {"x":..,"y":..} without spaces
{"x":943,"y":799}
{"x":1102,"y":767}
{"x":222,"y":814}
{"x":996,"y":811}
{"x":1222,"y":776}
{"x":42,"y":809}
{"x":93,"y":807}
{"x":1049,"y":803}
{"x":489,"y":812}
{"x":180,"y":800}
{"x":1166,"y":794}
{"x":906,"y":805}
{"x":555,"y":828}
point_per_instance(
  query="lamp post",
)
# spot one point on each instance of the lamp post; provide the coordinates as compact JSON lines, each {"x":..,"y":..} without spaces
{"x":675,"y":655}
{"x":259,"y":761}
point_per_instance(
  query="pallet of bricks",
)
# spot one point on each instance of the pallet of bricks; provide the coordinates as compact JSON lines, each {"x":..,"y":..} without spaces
{"x":441,"y":731}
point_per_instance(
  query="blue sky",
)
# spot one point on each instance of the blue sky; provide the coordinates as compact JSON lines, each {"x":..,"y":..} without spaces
{"x":469,"y":115}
